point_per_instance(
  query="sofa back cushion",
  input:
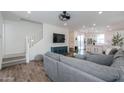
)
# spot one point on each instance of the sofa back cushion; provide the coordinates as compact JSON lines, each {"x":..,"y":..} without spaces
{"x":103,"y":72}
{"x":100,"y":59}
{"x":79,"y":56}
{"x":53,"y":55}
{"x":120,"y":53}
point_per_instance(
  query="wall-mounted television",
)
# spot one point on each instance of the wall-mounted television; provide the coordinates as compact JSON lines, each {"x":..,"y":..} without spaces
{"x":58,"y":38}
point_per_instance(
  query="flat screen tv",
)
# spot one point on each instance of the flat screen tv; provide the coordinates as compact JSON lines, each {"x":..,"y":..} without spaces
{"x":58,"y":38}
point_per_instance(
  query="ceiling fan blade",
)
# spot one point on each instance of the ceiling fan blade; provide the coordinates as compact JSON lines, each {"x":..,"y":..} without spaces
{"x":64,"y":12}
{"x":68,"y":17}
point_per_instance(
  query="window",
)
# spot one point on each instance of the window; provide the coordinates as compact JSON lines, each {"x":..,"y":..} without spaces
{"x":100,"y":39}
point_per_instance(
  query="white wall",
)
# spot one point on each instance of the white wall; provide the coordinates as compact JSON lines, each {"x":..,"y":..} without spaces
{"x":1,"y":22}
{"x":15,"y":33}
{"x":47,"y":42}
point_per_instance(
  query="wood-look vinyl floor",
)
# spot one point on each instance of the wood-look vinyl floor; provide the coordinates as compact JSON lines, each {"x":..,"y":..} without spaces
{"x":32,"y":72}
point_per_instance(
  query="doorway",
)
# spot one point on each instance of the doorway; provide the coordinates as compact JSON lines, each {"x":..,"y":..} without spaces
{"x":80,"y":43}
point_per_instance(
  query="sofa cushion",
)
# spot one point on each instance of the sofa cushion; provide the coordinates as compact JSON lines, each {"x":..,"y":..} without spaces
{"x":113,"y":51}
{"x":120,"y":53}
{"x":53,"y":55}
{"x":121,"y":72}
{"x":103,"y":72}
{"x":80,"y":56}
{"x":118,"y":62}
{"x":50,"y":67}
{"x":70,"y":74}
{"x":100,"y":59}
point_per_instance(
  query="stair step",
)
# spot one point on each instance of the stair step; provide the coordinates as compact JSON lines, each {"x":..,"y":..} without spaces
{"x":13,"y":58}
{"x":13,"y":61}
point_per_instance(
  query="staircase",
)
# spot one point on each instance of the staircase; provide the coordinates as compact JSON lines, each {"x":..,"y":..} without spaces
{"x":20,"y":58}
{"x":31,"y":40}
{"x":13,"y":61}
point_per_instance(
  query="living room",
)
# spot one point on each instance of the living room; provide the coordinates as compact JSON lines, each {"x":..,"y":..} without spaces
{"x":61,"y":46}
{"x":87,"y":36}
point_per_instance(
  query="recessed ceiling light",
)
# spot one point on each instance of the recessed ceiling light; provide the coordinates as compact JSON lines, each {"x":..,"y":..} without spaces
{"x":29,"y":12}
{"x":107,"y":26}
{"x":32,"y":40}
{"x":100,"y":12}
{"x":65,"y":24}
{"x":94,"y":24}
{"x":83,"y":26}
{"x":110,"y":29}
{"x":92,"y":28}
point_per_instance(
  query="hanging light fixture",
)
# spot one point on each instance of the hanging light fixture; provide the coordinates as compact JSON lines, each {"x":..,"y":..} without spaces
{"x":64,"y":16}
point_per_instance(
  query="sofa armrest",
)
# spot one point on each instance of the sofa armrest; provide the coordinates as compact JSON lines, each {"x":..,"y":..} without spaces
{"x":50,"y":66}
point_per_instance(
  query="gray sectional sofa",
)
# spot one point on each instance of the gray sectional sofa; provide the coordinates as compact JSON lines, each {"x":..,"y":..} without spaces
{"x":88,"y":68}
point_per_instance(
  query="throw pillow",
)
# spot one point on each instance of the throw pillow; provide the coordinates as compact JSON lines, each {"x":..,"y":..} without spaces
{"x":113,"y":51}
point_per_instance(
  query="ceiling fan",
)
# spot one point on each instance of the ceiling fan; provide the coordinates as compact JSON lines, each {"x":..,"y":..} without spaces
{"x":64,"y":16}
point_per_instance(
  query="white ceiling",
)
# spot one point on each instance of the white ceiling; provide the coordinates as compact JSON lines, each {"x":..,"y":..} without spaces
{"x":78,"y":19}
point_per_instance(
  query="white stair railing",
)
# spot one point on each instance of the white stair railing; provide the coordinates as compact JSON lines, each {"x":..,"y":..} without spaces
{"x":31,"y":40}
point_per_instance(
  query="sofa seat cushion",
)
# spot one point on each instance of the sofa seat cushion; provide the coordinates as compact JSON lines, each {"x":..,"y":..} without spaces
{"x":100,"y":59}
{"x":103,"y":72}
{"x":53,"y":55}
